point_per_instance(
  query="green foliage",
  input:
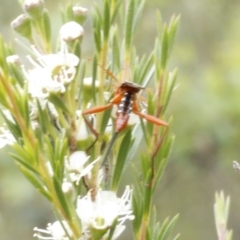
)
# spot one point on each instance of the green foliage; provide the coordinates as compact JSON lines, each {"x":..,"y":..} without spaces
{"x":221,"y":212}
{"x":51,"y":128}
{"x":121,"y":158}
{"x":161,"y":231}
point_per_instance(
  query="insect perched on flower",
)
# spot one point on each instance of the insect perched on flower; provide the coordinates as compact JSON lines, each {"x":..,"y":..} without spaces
{"x":125,"y":97}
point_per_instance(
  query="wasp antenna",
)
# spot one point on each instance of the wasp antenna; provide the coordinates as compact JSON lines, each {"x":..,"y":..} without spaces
{"x":109,"y":73}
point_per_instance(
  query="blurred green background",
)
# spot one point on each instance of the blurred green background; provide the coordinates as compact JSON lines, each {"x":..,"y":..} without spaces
{"x":206,"y":111}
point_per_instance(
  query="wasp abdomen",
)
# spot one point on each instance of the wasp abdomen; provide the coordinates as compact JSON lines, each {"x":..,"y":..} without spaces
{"x":124,"y":109}
{"x":125,"y":105}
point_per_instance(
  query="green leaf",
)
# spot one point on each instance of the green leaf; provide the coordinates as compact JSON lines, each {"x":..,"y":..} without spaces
{"x":61,"y":148}
{"x":148,"y":192}
{"x":58,"y":102}
{"x":49,"y":150}
{"x":159,"y":24}
{"x":97,"y":40}
{"x":144,"y":68}
{"x":98,"y":15}
{"x":129,"y":25}
{"x":79,"y":81}
{"x":36,"y":182}
{"x":22,"y":105}
{"x":12,"y":126}
{"x":94,"y":77}
{"x":151,"y":110}
{"x":42,"y":117}
{"x":148,"y":76}
{"x":61,"y":197}
{"x":137,"y":137}
{"x":116,"y":10}
{"x":177,"y":237}
{"x":3,"y":95}
{"x":157,"y":60}
{"x":138,"y":13}
{"x":16,"y":73}
{"x":23,"y":162}
{"x":173,"y":26}
{"x":121,"y":159}
{"x":154,"y":226}
{"x":167,"y":227}
{"x":76,"y":49}
{"x":3,"y":50}
{"x":163,"y":156}
{"x":25,"y":106}
{"x":68,"y":13}
{"x":145,"y":166}
{"x":171,"y":80}
{"x":47,"y":28}
{"x":221,"y":212}
{"x":105,"y":120}
{"x":106,"y":20}
{"x":138,"y":185}
{"x":55,"y":152}
{"x":112,"y":229}
{"x":165,"y":48}
{"x":137,"y":211}
{"x":24,"y":155}
{"x":148,"y":235}
{"x":137,"y":68}
{"x":115,"y":50}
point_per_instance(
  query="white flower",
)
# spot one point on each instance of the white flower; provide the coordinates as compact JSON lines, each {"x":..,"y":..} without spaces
{"x":76,"y":165}
{"x":82,"y":132}
{"x":107,"y":207}
{"x":71,"y":31}
{"x":236,"y":166}
{"x":54,"y":61}
{"x":77,"y":10}
{"x":6,"y":138}
{"x":54,"y":231}
{"x":41,"y":83}
{"x":51,"y":72}
{"x":67,"y":188}
{"x":34,"y":8}
{"x":88,"y":82}
{"x":33,"y":4}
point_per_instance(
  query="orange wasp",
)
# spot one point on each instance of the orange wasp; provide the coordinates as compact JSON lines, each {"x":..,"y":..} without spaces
{"x":126,"y":99}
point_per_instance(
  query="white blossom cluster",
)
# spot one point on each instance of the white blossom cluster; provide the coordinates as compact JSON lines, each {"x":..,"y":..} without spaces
{"x":51,"y":73}
{"x":96,"y":215}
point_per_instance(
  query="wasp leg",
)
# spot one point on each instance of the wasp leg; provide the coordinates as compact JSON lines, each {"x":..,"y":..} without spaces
{"x":152,"y":119}
{"x":92,"y":111}
{"x":115,"y":100}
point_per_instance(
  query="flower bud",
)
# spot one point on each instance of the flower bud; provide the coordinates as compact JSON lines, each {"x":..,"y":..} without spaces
{"x":80,"y":14}
{"x":68,"y":190}
{"x":88,"y":90}
{"x":13,"y":59}
{"x":14,"y":65}
{"x":34,"y":7}
{"x":71,"y":31}
{"x":22,"y":26}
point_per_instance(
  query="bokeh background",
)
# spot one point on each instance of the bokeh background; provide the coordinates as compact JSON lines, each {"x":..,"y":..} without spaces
{"x":205,"y":108}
